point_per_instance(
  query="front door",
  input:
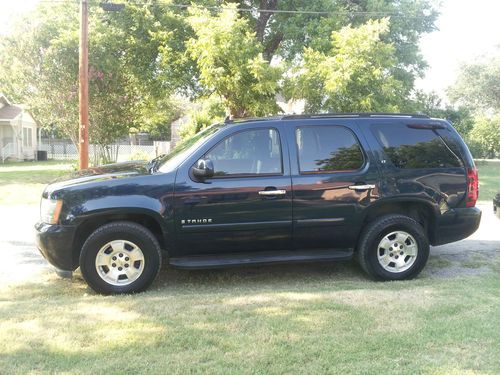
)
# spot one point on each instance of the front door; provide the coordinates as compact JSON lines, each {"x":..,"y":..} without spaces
{"x":246,"y":206}
{"x":333,"y":180}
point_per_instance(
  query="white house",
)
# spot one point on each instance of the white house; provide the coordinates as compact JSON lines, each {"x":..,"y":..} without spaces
{"x":18,"y":132}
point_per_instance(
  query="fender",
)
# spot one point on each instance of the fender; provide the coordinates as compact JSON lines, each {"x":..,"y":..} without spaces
{"x":121,"y":206}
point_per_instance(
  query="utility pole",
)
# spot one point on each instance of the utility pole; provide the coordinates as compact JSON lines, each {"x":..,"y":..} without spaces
{"x":84,"y":86}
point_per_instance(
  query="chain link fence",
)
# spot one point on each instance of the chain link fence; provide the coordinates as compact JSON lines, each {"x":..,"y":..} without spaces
{"x":66,"y":150}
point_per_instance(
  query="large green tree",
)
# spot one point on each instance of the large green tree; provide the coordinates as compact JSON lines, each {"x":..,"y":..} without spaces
{"x":478,"y":85}
{"x":354,"y":75}
{"x":304,"y":23}
{"x":151,"y":50}
{"x":486,"y":134}
{"x":39,"y":66}
{"x":478,"y":88}
{"x":231,"y":64}
{"x":283,"y":30}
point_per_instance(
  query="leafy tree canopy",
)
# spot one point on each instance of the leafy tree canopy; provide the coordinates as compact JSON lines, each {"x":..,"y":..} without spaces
{"x":203,"y":114}
{"x":478,"y":89}
{"x":354,"y":75}
{"x":285,"y":35}
{"x":39,"y":67}
{"x":478,"y":85}
{"x":231,"y":62}
{"x":144,"y":54}
{"x":486,"y":134}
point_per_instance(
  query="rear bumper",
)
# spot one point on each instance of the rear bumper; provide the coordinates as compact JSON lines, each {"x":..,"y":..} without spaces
{"x":456,"y":224}
{"x":55,"y":242}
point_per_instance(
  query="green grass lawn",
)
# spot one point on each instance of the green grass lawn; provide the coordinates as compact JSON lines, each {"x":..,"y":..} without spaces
{"x":296,"y":319}
{"x":23,"y":182}
{"x":489,"y":179}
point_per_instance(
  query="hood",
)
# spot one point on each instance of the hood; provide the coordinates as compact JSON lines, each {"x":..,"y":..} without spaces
{"x":102,"y":173}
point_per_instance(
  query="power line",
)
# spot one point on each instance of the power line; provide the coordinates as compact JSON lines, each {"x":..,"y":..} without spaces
{"x":256,"y":10}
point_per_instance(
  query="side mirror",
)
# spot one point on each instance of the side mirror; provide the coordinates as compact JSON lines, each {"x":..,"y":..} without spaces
{"x":203,"y":169}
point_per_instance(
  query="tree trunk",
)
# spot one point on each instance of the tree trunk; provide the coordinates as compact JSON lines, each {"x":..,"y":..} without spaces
{"x":270,"y":46}
{"x":238,"y":112}
{"x":264,"y":17}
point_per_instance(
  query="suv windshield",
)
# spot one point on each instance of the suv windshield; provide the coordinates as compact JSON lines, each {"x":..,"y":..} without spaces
{"x":172,"y":160}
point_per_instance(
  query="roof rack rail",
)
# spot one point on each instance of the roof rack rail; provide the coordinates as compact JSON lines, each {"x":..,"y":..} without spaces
{"x":230,"y":120}
{"x":356,"y":114}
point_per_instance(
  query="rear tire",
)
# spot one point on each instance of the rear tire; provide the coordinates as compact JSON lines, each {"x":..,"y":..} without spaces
{"x":120,"y":257}
{"x":393,"y":247}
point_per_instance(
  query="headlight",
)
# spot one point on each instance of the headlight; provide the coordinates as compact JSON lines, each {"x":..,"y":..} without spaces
{"x":50,"y":210}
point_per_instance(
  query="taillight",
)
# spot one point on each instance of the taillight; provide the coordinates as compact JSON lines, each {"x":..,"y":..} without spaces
{"x":472,"y":187}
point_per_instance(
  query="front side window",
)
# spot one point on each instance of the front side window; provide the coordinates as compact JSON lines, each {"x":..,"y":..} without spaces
{"x":173,"y":159}
{"x":328,"y":149}
{"x":246,"y":153}
{"x":410,"y":148}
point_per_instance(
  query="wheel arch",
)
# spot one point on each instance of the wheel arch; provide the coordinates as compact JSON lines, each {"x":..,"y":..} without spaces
{"x":421,"y":210}
{"x":147,"y":218}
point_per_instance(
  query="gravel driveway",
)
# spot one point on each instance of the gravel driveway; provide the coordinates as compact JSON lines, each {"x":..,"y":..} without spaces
{"x":21,"y":261}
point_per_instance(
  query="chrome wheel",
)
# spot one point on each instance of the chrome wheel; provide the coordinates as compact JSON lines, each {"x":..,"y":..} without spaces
{"x":119,"y":262}
{"x":397,"y":251}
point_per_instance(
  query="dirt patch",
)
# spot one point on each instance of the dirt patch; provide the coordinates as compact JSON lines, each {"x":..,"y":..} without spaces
{"x":468,"y":263}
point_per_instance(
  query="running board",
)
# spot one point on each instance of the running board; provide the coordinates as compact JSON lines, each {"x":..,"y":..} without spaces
{"x":257,"y":258}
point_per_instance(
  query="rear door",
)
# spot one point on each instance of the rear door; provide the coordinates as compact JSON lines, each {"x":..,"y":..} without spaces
{"x":333,"y":180}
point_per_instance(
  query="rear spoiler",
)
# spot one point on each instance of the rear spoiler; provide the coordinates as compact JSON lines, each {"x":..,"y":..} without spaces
{"x":426,"y":126}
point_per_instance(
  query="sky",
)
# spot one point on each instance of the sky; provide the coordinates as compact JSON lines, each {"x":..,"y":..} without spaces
{"x":466,"y":30}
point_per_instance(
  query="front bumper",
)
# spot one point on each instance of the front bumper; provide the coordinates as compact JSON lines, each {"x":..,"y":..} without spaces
{"x":456,"y":224}
{"x":55,"y":242}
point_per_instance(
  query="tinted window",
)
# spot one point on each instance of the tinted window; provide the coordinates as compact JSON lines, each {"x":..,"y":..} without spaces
{"x":327,"y":148}
{"x":414,"y":148}
{"x":250,"y":152}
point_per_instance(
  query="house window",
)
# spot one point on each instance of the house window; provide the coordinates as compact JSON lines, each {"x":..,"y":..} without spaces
{"x":27,"y":137}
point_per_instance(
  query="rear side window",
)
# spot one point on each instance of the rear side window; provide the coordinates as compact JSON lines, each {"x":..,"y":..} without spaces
{"x":247,"y":153}
{"x":327,"y":149}
{"x":410,"y":148}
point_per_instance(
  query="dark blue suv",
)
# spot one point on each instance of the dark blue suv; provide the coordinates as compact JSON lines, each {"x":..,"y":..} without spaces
{"x":378,"y":187}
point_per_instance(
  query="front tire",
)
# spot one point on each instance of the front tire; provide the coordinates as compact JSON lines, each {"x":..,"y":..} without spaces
{"x":393,"y":247}
{"x":120,"y":257}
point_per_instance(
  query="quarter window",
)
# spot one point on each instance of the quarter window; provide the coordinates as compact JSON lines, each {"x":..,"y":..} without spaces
{"x":328,"y":149}
{"x":249,"y":152}
{"x":410,"y":148}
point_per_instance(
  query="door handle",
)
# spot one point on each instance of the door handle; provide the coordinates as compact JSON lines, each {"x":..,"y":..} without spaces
{"x":272,"y":192}
{"x":362,"y":187}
